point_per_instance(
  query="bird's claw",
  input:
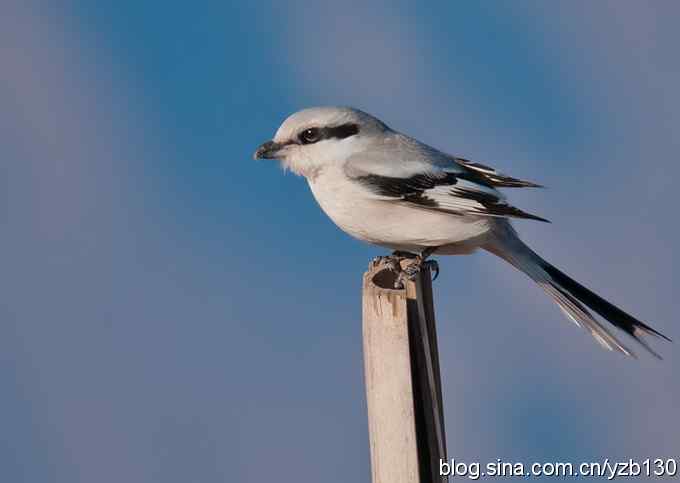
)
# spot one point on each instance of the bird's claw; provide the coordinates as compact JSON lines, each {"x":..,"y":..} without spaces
{"x":433,"y":265}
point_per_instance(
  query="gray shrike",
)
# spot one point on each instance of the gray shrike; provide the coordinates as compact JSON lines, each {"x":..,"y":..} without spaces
{"x":389,"y":189}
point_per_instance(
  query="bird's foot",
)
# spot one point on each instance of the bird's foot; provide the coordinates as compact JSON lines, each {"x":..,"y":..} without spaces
{"x":391,"y":262}
{"x":412,"y":270}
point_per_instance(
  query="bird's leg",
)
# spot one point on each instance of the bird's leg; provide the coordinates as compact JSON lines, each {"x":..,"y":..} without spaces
{"x":412,"y":271}
{"x":402,"y":255}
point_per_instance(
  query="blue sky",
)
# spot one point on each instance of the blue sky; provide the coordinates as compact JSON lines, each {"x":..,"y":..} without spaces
{"x":175,"y":311}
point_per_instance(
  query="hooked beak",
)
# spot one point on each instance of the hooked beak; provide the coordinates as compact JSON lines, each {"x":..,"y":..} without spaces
{"x":268,"y":150}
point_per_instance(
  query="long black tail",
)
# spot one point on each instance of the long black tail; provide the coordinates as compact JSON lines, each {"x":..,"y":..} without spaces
{"x":571,"y":296}
{"x":612,"y":313}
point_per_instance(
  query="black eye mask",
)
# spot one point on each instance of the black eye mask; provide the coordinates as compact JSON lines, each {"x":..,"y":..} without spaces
{"x":316,"y":134}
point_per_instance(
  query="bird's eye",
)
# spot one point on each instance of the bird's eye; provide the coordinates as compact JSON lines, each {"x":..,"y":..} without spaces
{"x":309,"y":136}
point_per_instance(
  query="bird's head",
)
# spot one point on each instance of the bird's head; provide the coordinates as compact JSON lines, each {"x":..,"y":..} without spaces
{"x":311,"y":139}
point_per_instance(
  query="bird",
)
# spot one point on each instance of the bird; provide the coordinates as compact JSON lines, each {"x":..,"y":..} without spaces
{"x":388,"y":189}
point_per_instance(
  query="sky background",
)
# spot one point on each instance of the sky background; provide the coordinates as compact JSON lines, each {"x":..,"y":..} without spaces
{"x":173,"y":311}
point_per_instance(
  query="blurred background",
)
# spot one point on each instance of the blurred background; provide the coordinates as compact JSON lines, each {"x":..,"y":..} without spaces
{"x":139,"y":238}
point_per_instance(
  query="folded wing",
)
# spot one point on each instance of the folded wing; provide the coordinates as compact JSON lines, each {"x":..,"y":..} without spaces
{"x":444,"y":191}
{"x":406,"y":171}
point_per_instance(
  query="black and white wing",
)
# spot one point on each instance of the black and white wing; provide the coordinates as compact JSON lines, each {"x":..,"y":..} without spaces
{"x":405,"y":171}
{"x":495,"y":177}
{"x":443,"y":191}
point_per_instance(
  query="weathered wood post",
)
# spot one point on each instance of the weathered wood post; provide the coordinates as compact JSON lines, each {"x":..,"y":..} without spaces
{"x":403,"y":385}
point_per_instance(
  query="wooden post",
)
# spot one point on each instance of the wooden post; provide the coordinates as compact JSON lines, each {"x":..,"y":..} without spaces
{"x":403,"y":385}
